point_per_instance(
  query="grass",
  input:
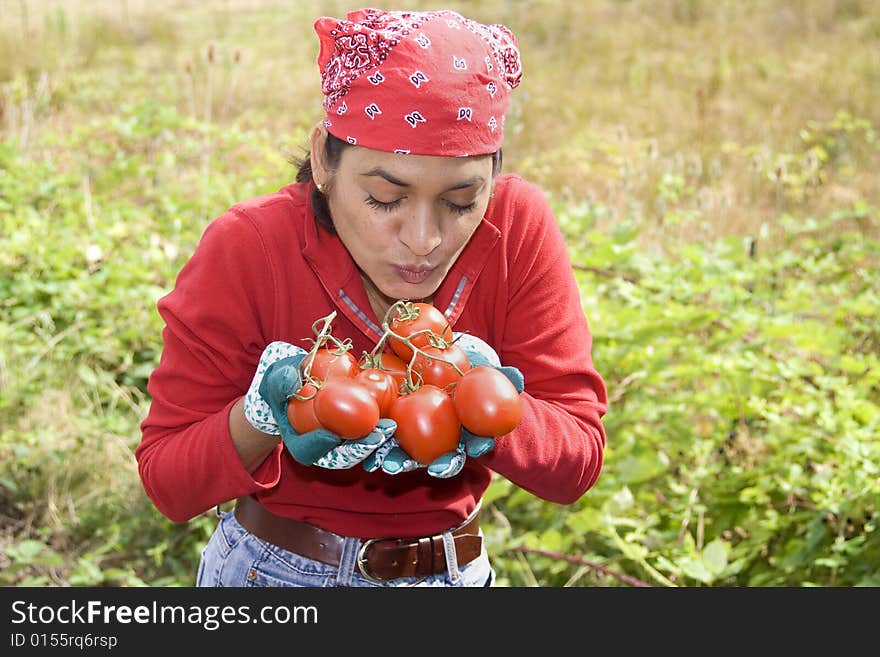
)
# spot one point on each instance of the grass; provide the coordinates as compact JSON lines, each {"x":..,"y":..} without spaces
{"x":125,"y":127}
{"x":655,"y":110}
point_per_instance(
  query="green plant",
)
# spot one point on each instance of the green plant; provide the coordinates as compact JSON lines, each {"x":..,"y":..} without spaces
{"x":742,"y":373}
{"x":743,"y":424}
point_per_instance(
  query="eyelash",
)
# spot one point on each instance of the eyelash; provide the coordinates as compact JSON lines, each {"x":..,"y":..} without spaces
{"x":389,"y":207}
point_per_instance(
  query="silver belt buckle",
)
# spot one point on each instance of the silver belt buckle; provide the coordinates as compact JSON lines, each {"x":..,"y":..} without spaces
{"x":362,"y":560}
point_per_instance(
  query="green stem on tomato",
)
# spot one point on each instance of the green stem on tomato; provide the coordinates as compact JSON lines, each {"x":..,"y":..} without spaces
{"x":407,"y":310}
{"x":373,"y":356}
{"x":300,"y":397}
{"x":322,"y":335}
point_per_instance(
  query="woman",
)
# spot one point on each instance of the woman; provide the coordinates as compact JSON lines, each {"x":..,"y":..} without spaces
{"x":401,"y":197}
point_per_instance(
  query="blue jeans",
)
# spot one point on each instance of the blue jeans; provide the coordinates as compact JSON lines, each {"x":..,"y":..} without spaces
{"x":235,"y":557}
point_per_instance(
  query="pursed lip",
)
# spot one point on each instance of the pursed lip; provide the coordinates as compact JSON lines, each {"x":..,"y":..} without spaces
{"x":414,"y":273}
{"x":416,"y":269}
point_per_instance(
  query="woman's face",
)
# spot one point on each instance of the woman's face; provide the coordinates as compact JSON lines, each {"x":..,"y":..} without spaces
{"x":405,"y":218}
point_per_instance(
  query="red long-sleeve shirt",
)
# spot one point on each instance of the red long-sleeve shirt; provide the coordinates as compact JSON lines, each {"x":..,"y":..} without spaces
{"x":265,"y":271}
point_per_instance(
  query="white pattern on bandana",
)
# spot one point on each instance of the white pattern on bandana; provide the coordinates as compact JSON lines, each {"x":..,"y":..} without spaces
{"x":414,"y":118}
{"x":359,"y":53}
{"x":355,"y":54}
{"x":372,"y":110}
{"x":417,"y":78}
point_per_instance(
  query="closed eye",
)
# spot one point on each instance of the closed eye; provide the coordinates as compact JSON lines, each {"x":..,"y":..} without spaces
{"x":382,"y":205}
{"x":389,"y":206}
{"x":460,"y":209}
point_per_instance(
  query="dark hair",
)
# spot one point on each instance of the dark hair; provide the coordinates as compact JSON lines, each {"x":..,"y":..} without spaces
{"x":333,"y":147}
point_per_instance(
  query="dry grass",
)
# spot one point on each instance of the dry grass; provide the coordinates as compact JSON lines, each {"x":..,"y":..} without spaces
{"x":678,"y":113}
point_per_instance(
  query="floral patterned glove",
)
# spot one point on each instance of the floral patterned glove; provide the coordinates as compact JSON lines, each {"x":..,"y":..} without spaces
{"x":392,"y":460}
{"x":275,"y":381}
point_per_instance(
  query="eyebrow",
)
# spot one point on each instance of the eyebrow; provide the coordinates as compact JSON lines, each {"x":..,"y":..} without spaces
{"x":378,"y":171}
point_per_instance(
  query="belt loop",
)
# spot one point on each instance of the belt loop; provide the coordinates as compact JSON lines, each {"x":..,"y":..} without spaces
{"x":348,"y":560}
{"x":451,"y":558}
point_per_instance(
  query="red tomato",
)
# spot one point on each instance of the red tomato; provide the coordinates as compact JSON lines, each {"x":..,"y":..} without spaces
{"x":301,"y":413}
{"x":486,"y":402}
{"x":427,"y":425}
{"x":346,"y":408}
{"x":417,"y":317}
{"x":390,"y":363}
{"x":382,"y":385}
{"x":437,"y":368}
{"x":328,"y":362}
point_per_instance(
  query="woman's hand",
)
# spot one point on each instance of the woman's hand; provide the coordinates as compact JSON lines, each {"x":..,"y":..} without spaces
{"x":276,"y":380}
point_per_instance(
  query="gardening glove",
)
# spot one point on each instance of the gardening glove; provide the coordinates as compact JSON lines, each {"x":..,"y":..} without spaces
{"x":351,"y":452}
{"x":392,"y":460}
{"x":275,"y":381}
{"x":480,"y":353}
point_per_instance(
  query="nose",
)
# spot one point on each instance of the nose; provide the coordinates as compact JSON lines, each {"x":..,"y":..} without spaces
{"x":420,"y":232}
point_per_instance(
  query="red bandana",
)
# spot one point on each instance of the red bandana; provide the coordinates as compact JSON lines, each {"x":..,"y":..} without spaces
{"x":426,"y":83}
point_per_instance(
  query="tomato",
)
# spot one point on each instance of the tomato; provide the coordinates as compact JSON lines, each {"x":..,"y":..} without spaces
{"x":486,"y":402}
{"x":301,"y":413}
{"x":382,"y":385}
{"x":437,"y":368}
{"x":414,"y":318}
{"x":390,"y":363}
{"x":327,"y":362}
{"x":427,"y":425}
{"x":346,"y":408}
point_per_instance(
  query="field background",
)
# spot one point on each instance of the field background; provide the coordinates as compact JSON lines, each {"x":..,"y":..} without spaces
{"x":714,"y":166}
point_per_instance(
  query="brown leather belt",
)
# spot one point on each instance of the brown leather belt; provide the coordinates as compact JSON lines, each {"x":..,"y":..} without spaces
{"x":378,"y":559}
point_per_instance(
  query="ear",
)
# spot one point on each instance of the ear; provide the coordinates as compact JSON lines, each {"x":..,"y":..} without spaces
{"x":317,"y":143}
